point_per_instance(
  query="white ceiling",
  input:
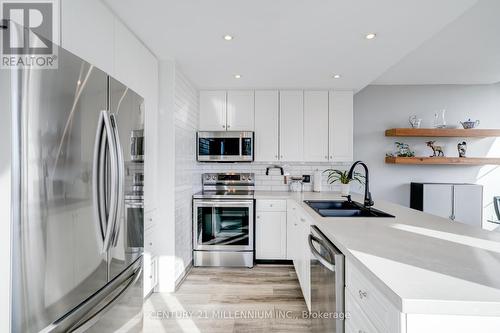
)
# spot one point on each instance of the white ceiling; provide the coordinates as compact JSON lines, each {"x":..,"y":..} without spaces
{"x":286,"y":43}
{"x":465,"y":52}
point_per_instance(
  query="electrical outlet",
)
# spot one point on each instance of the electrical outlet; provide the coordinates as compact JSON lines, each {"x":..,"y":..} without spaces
{"x":306,"y":178}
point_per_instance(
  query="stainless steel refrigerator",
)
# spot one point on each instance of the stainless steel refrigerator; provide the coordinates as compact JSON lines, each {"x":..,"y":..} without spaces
{"x":75,"y":264}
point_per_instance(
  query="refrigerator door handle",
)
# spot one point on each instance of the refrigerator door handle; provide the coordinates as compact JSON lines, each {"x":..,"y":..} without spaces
{"x":91,"y":310}
{"x":105,"y":212}
{"x":99,"y":203}
{"x":120,"y":178}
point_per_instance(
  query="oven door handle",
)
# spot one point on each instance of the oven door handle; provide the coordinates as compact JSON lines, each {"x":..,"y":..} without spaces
{"x":223,"y":203}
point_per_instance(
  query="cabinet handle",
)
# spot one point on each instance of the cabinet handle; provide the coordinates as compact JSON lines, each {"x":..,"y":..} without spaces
{"x":275,"y":156}
{"x":270,"y":205}
{"x":151,"y":277}
{"x":223,"y":126}
{"x":150,"y":243}
{"x":228,"y":126}
{"x":281,"y":156}
{"x":258,"y":217}
{"x":326,"y":157}
{"x":331,"y":157}
{"x":361,"y":331}
{"x":302,"y":219}
{"x":362,"y":294}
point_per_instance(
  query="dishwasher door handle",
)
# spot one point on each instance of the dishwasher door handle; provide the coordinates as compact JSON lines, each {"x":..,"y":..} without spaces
{"x":323,"y":261}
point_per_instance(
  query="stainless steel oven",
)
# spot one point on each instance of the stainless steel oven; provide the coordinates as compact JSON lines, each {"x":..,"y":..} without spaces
{"x":225,"y":146}
{"x":223,"y":221}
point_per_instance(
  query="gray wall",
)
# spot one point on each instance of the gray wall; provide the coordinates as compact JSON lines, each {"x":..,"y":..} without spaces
{"x":377,"y":108}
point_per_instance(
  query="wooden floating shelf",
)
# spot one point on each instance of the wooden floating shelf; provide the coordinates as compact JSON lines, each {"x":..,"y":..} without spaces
{"x":443,"y":132}
{"x":443,"y":160}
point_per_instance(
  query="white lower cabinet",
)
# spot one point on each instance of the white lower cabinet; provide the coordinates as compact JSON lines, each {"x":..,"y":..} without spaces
{"x":357,"y":321}
{"x":298,"y":228}
{"x":270,"y":235}
{"x":270,"y":230}
{"x":369,"y":310}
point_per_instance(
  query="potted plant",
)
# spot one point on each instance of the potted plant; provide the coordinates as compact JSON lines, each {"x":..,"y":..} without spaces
{"x":341,"y":176}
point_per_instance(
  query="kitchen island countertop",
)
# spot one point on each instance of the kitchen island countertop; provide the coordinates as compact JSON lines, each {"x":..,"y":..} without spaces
{"x":422,"y":263}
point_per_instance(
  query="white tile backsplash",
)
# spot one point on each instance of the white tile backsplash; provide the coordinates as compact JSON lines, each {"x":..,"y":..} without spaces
{"x":275,"y":181}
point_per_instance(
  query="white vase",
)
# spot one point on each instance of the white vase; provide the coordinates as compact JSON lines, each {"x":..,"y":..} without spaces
{"x":345,"y":189}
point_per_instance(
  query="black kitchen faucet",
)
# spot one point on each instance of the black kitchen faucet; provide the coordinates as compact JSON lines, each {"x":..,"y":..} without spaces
{"x":368,"y":196}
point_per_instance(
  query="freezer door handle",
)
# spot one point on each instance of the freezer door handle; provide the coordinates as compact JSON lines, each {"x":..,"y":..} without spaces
{"x":325,"y":262}
{"x":90,"y":311}
{"x":105,"y":212}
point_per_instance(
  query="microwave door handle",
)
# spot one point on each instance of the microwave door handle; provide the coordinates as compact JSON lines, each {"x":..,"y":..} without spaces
{"x":113,"y":158}
{"x":120,"y":178}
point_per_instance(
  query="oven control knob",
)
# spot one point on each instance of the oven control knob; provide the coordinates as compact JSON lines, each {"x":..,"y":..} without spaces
{"x":214,"y":178}
{"x":207,"y":177}
{"x":243,"y":178}
{"x":249,"y":178}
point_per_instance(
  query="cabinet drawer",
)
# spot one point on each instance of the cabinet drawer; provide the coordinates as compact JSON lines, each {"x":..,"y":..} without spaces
{"x":271,"y":205}
{"x":357,"y":320}
{"x":380,"y":312}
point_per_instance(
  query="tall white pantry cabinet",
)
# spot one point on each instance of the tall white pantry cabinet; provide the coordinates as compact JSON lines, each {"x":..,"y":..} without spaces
{"x":457,"y":202}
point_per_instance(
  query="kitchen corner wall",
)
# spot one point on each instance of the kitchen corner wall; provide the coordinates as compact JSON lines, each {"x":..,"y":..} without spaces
{"x":178,"y":174}
{"x":377,"y":108}
{"x":187,"y":180}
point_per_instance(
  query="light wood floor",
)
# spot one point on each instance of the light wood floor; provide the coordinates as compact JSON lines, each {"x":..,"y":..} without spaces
{"x":223,"y":300}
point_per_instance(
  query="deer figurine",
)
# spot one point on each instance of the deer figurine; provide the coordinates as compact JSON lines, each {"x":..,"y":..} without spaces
{"x":437,"y":150}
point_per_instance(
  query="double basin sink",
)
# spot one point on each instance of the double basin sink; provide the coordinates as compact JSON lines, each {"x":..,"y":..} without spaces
{"x":339,"y":208}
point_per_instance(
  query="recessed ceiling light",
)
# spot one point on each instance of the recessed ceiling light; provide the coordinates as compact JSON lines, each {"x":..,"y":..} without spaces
{"x":337,"y":76}
{"x":237,"y":76}
{"x":371,"y":35}
{"x":228,"y":37}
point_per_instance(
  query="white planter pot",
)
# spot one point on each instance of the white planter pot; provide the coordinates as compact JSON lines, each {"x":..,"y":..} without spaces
{"x":345,"y":189}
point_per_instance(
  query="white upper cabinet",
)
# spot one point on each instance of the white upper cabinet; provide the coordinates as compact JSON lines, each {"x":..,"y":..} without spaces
{"x":291,"y":125}
{"x":92,"y":42}
{"x":341,"y":126}
{"x":213,"y":110}
{"x":266,"y":125}
{"x":240,"y":110}
{"x":316,"y":126}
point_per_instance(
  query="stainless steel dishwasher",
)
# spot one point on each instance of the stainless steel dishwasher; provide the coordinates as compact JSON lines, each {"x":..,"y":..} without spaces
{"x":327,"y":284}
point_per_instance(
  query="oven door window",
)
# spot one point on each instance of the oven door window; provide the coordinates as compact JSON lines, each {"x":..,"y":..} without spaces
{"x":219,"y":146}
{"x":224,"y":226}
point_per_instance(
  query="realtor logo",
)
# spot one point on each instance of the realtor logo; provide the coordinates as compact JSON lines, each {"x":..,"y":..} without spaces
{"x":27,"y":34}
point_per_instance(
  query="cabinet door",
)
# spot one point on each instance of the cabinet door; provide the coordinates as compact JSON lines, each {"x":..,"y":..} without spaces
{"x":305,"y":258}
{"x":468,"y":204}
{"x":270,"y":239}
{"x":213,"y":110}
{"x":240,"y":110}
{"x":291,"y":234}
{"x":291,"y":125}
{"x":316,"y":126}
{"x":341,"y":126}
{"x":266,"y":125}
{"x":91,"y":42}
{"x":438,"y":199}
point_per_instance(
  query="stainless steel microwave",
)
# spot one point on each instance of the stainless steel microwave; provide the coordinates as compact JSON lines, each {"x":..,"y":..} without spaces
{"x":225,"y":146}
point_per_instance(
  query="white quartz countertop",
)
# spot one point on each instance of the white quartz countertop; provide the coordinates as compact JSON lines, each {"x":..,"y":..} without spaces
{"x":422,"y":263}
